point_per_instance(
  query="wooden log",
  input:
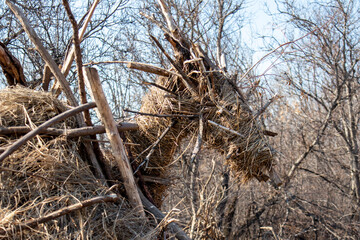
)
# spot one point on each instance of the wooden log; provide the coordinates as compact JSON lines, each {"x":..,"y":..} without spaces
{"x":70,"y":133}
{"x":148,"y":68}
{"x":92,"y":77}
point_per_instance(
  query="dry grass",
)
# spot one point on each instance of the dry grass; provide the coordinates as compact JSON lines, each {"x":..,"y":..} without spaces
{"x":247,"y":151}
{"x":48,"y":174}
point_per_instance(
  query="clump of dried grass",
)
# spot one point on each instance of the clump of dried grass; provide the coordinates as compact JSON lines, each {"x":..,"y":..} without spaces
{"x":21,"y":106}
{"x":247,"y":151}
{"x":47,"y":174}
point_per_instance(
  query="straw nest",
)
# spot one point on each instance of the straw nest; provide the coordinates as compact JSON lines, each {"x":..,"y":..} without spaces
{"x":217,"y":100}
{"x":48,"y":173}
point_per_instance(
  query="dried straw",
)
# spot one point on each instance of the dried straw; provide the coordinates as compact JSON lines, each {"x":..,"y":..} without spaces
{"x":247,"y":151}
{"x":48,"y":174}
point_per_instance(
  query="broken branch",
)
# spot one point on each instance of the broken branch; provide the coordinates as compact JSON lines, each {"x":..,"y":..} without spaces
{"x":92,"y":77}
{"x":21,"y":141}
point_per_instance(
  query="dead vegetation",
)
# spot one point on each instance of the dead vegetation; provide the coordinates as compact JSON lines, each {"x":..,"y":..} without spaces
{"x":56,"y":187}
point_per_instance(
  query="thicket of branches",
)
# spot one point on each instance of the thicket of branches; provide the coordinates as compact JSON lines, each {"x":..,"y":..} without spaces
{"x":317,"y":118}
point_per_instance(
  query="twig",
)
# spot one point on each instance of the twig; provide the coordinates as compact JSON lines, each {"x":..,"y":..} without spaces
{"x":154,"y":145}
{"x":160,"y":87}
{"x":153,"y":20}
{"x":11,"y":67}
{"x":162,"y":115}
{"x":165,"y":11}
{"x":262,"y":110}
{"x":179,"y":233}
{"x":225,"y":128}
{"x":272,"y":230}
{"x":71,"y":55}
{"x":43,"y":52}
{"x":198,"y":143}
{"x":70,"y":133}
{"x":310,"y":148}
{"x":21,"y":141}
{"x":61,"y":212}
{"x":158,"y":180}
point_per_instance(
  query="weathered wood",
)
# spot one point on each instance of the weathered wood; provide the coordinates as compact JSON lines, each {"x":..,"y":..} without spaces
{"x":21,"y":141}
{"x":11,"y":67}
{"x":92,"y":77}
{"x":148,"y":68}
{"x":61,"y":212}
{"x":46,"y":78}
{"x":70,"y":133}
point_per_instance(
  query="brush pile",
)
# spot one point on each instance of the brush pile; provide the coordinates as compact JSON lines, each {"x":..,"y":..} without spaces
{"x":198,"y":90}
{"x":49,"y":173}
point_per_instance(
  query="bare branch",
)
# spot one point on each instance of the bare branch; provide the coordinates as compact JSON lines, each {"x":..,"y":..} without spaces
{"x":21,"y":141}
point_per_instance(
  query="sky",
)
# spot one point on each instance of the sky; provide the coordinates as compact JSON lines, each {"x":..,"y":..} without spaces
{"x":261,"y":23}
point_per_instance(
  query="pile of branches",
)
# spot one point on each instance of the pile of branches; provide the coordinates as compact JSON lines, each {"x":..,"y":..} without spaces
{"x":196,"y":97}
{"x":58,"y":168}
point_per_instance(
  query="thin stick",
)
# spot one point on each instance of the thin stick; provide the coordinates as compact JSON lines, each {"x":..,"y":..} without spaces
{"x":225,"y":128}
{"x":70,"y":133}
{"x":165,"y":11}
{"x":194,"y":167}
{"x":162,"y":115}
{"x":262,"y":110}
{"x":154,"y":145}
{"x":43,"y":52}
{"x":78,"y":60}
{"x":92,"y":77}
{"x":153,"y":20}
{"x":139,"y":66}
{"x":148,"y":68}
{"x":61,"y":212}
{"x":198,"y":143}
{"x":160,"y":87}
{"x":21,"y":141}
{"x":71,"y":55}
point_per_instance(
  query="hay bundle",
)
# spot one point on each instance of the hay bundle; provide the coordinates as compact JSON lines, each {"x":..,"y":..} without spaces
{"x":20,"y":107}
{"x":199,"y":87}
{"x":243,"y":144}
{"x":48,"y":174}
